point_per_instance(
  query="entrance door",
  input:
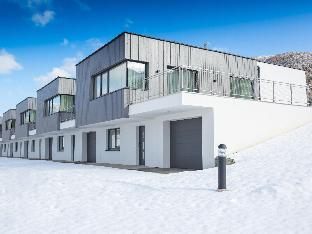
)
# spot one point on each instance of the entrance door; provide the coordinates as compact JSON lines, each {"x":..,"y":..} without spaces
{"x":25,"y":149}
{"x":186,"y":144}
{"x":11,"y":149}
{"x":91,"y":147}
{"x":50,"y":148}
{"x":73,"y":147}
{"x":142,"y":145}
{"x":40,"y":148}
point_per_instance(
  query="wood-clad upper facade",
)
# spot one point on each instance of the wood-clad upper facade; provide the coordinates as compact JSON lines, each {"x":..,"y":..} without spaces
{"x":158,"y":55}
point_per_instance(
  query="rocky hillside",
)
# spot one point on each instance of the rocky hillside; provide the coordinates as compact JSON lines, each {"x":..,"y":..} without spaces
{"x":299,"y":60}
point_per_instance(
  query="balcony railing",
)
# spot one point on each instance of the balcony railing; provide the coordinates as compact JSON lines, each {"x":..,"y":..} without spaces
{"x":31,"y":126}
{"x":217,"y":83}
{"x":67,"y":114}
{"x":12,"y":131}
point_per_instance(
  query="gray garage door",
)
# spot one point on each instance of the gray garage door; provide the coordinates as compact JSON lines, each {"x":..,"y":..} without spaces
{"x":186,"y":144}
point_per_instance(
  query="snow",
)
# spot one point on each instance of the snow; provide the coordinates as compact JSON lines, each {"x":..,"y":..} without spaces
{"x":269,"y":191}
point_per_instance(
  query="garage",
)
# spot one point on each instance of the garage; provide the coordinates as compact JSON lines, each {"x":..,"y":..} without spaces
{"x":186,"y":144}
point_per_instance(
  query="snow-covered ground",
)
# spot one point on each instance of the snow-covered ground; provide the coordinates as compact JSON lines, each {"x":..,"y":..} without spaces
{"x":270,"y":191}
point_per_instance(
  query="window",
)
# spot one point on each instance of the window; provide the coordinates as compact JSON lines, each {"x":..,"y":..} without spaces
{"x":16,"y":146}
{"x":33,"y":146}
{"x":9,"y":124}
{"x":28,"y":116}
{"x":60,"y":143}
{"x":60,"y":103}
{"x":116,"y":78}
{"x":113,"y":139}
{"x":137,"y":76}
{"x":182,"y":79}
{"x":241,"y":87}
{"x":4,"y":147}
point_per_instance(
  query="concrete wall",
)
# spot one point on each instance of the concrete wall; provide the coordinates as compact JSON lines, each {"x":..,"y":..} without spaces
{"x":238,"y":123}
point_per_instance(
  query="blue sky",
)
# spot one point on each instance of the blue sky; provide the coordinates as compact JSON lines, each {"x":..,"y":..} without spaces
{"x":40,"y":39}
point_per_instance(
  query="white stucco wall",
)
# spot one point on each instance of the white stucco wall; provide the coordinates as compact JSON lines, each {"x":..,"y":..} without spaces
{"x":66,"y":154}
{"x":238,"y":123}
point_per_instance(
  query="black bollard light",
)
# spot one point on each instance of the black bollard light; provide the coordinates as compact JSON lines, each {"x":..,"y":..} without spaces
{"x":221,"y":167}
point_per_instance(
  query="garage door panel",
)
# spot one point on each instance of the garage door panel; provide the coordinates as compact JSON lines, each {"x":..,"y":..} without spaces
{"x":186,"y":143}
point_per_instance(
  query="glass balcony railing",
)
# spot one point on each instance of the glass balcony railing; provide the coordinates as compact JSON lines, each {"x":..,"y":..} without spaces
{"x":218,"y":83}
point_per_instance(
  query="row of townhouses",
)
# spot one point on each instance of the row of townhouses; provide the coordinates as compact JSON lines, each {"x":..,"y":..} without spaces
{"x":140,"y":100}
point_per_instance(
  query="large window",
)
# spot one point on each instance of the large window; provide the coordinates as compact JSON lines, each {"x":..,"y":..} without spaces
{"x":242,"y":88}
{"x":9,"y":124}
{"x":113,"y":139}
{"x":117,"y":77}
{"x":182,"y":79}
{"x":60,"y":103}
{"x":16,"y":146}
{"x":28,"y":116}
{"x":137,"y":76}
{"x":60,"y":143}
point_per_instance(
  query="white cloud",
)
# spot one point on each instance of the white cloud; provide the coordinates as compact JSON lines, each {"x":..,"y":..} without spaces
{"x":44,"y":18}
{"x":128,"y":23}
{"x":8,"y":63}
{"x":67,"y":69}
{"x":65,"y":42}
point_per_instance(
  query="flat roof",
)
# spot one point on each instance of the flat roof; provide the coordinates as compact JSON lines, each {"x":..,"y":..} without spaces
{"x":24,"y":100}
{"x":171,"y":41}
{"x":59,"y":77}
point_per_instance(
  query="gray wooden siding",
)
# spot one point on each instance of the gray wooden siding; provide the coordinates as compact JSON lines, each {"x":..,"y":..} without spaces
{"x":27,"y":104}
{"x":159,"y":54}
{"x":58,"y":86}
{"x":111,"y":106}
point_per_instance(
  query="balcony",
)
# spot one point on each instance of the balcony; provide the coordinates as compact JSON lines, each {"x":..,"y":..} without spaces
{"x":67,"y":118}
{"x":12,"y":133}
{"x":217,"y":83}
{"x":31,"y":126}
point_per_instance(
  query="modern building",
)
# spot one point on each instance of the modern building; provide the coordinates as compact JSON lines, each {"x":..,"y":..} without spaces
{"x":140,"y":100}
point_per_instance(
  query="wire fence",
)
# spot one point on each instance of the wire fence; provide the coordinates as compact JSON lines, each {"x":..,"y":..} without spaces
{"x":217,"y":83}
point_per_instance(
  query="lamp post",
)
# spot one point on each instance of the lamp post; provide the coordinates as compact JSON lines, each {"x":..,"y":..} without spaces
{"x":221,"y":167}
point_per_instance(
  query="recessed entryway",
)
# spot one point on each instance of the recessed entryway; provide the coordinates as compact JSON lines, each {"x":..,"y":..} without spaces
{"x":26,"y":149}
{"x":186,"y":144}
{"x":91,"y":147}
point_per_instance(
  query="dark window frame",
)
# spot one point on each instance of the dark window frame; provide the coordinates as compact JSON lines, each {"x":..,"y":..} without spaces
{"x":33,"y":146}
{"x":23,"y":114}
{"x":49,"y":101}
{"x":60,"y":143}
{"x":16,"y":146}
{"x":93,"y":95}
{"x":111,"y":147}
